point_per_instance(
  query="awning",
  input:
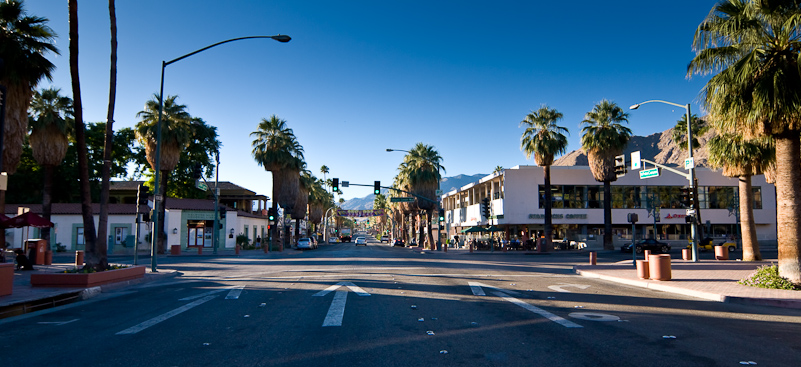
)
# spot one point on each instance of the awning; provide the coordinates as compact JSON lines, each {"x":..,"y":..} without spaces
{"x":27,"y":219}
{"x":473,"y":230}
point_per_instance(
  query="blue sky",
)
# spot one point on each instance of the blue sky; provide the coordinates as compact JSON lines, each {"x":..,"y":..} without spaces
{"x":362,"y":76}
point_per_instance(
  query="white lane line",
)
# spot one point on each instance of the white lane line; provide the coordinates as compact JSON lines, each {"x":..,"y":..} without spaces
{"x":234,"y":293}
{"x":59,"y":323}
{"x":477,"y":284}
{"x":337,"y":309}
{"x":160,"y":318}
{"x":539,"y":311}
{"x":476,"y":288}
{"x":191,"y":298}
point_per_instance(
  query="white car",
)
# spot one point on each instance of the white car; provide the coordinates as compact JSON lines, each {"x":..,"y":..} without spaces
{"x":305,"y":243}
{"x":333,"y":239}
{"x":361,"y":241}
{"x":385,"y":239}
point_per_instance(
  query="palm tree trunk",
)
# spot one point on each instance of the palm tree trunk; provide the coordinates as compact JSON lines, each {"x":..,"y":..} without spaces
{"x":429,"y":214}
{"x":47,"y":200}
{"x":548,"y":243}
{"x":162,"y":236}
{"x":90,"y":235}
{"x":788,"y":205}
{"x":747,"y":225}
{"x":102,"y":225}
{"x":608,"y":245}
{"x":297,"y":229}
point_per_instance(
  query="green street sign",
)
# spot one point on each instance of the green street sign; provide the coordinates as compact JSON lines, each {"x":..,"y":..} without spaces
{"x":648,"y":173}
{"x":201,"y":185}
{"x":401,"y":200}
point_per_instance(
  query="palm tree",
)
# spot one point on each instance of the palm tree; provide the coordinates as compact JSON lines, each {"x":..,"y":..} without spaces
{"x":498,"y":169}
{"x":679,"y":132}
{"x":422,"y":170}
{"x":742,"y":159}
{"x":545,"y":140}
{"x":48,"y":139}
{"x":24,"y":40}
{"x":175,"y":135}
{"x":604,"y":137}
{"x":277,"y":150}
{"x":753,"y":47}
{"x":94,"y":258}
{"x":102,"y":224}
{"x":324,"y":170}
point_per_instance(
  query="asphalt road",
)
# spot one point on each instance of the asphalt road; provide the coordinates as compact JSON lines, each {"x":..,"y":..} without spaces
{"x":347,"y":305}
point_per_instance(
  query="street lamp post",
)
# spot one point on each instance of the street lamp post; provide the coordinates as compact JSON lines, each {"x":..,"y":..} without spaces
{"x":691,"y":177}
{"x":439,"y":204}
{"x":158,"y":197}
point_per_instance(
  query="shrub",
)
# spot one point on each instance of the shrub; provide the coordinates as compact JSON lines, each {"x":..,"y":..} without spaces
{"x":768,"y":277}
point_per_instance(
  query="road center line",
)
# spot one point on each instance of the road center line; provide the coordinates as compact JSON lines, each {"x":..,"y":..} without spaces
{"x":539,"y":311}
{"x":337,"y":309}
{"x":160,"y":318}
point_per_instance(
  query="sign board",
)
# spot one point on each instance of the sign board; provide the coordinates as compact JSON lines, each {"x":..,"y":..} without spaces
{"x":648,"y":173}
{"x":345,"y":183}
{"x":3,"y":181}
{"x":690,"y":211}
{"x":401,"y":200}
{"x":201,"y":185}
{"x":689,"y":163}
{"x":439,"y":192}
{"x":635,"y":161}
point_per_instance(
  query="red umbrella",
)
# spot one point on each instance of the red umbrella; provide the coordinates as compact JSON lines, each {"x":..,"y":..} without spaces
{"x":27,"y":219}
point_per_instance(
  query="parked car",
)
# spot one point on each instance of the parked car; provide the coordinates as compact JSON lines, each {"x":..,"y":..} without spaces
{"x":305,"y":244}
{"x":333,"y":240}
{"x":398,"y":242}
{"x":361,"y":241}
{"x":385,"y":239}
{"x":708,"y":244}
{"x":647,"y":244}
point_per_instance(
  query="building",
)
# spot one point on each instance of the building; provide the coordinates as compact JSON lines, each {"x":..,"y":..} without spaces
{"x":517,"y":194}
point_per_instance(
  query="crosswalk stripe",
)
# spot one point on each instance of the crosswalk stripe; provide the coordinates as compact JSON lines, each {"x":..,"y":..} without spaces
{"x":234,"y":293}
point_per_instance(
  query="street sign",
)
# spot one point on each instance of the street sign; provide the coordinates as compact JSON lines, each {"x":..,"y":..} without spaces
{"x":635,"y":161}
{"x":201,"y":185}
{"x":690,"y":211}
{"x":345,"y":184}
{"x":401,"y":200}
{"x":689,"y":163}
{"x":648,"y":173}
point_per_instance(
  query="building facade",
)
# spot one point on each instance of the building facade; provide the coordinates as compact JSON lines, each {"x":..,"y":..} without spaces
{"x":517,"y":206}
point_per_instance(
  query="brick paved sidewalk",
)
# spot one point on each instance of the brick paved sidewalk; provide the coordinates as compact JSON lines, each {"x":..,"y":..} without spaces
{"x":707,"y":279}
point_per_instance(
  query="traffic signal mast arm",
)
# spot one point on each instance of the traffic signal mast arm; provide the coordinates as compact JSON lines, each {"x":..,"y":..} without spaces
{"x":680,"y":173}
{"x":392,"y":188}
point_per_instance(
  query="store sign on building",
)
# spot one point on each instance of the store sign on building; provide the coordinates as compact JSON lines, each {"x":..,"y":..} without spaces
{"x":558,"y":216}
{"x":675,"y":216}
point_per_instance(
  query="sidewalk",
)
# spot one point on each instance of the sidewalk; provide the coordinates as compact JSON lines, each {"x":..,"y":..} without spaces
{"x":707,"y":279}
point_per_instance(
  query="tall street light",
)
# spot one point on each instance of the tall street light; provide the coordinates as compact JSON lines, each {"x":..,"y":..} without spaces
{"x":158,"y":197}
{"x":439,"y":204}
{"x":691,"y":177}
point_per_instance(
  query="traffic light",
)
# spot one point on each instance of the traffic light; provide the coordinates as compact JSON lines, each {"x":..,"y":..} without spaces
{"x":485,"y":207}
{"x":442,"y":215}
{"x":377,"y":187}
{"x":197,"y":171}
{"x":141,"y":194}
{"x":685,"y":197}
{"x":335,"y":184}
{"x":271,"y":214}
{"x":620,"y":166}
{"x":222,"y":212}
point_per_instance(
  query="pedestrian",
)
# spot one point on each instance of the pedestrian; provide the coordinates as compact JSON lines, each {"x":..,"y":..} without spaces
{"x":258,"y":241}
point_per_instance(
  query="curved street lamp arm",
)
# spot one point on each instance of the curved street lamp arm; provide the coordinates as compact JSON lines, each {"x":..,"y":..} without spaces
{"x":279,"y":38}
{"x":634,"y":107}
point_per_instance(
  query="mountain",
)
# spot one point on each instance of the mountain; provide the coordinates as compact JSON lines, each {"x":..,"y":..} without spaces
{"x":658,"y":147}
{"x":447,"y":184}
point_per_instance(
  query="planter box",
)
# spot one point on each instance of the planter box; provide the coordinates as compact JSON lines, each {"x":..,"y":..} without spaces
{"x":87,"y":280}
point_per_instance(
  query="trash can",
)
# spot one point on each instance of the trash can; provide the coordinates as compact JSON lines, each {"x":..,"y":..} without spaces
{"x":6,"y":279}
{"x":721,"y":252}
{"x":659,"y":267}
{"x":175,"y":250}
{"x":36,"y":251}
{"x":642,"y":269}
{"x":79,"y":258}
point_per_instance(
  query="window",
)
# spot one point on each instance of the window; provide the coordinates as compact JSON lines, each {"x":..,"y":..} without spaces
{"x":757,"y":197}
{"x":80,"y":240}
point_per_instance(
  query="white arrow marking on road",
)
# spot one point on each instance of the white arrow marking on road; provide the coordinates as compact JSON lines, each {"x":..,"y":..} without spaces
{"x":59,"y":323}
{"x":234,"y":293}
{"x":477,"y":291}
{"x":560,"y":288}
{"x":539,"y":311}
{"x":337,"y":309}
{"x":593,"y":316}
{"x":160,"y":318}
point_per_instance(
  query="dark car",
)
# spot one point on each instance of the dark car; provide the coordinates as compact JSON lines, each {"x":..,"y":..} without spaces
{"x":648,"y":244}
{"x":399,"y":242}
{"x":344,"y":238}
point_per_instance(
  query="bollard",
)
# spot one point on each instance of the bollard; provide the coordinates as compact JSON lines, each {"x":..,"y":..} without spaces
{"x":200,"y":250}
{"x":642,"y":269}
{"x":659,"y":267}
{"x":175,"y":250}
{"x":6,"y":279}
{"x":593,"y":257}
{"x":48,"y":260}
{"x":685,"y":254}
{"x":236,"y":249}
{"x":79,"y":258}
{"x":721,"y":252}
